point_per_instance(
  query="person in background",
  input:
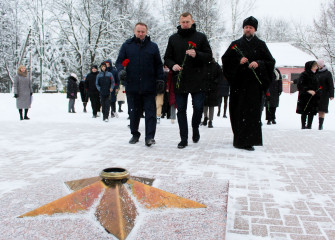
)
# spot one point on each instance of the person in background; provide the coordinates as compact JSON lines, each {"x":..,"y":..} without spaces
{"x":160,"y":98}
{"x":172,"y":99}
{"x":121,"y":97}
{"x":72,"y":89}
{"x":248,"y":66}
{"x":112,"y":69}
{"x":23,"y":91}
{"x":105,"y":84}
{"x":223,"y":92}
{"x":92,"y":91}
{"x":272,"y":98}
{"x":214,"y":72}
{"x":309,"y":94}
{"x":83,"y":93}
{"x":143,"y":77}
{"x":326,"y":81}
{"x":189,"y":75}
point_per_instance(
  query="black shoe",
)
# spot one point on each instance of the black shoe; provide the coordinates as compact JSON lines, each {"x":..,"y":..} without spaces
{"x":269,"y":122}
{"x":248,"y":148}
{"x":218,"y":114}
{"x":274,"y":122}
{"x":303,"y":127}
{"x":196,"y":135}
{"x":120,"y":110}
{"x":94,"y":116}
{"x":182,"y":144}
{"x":204,"y":123}
{"x":134,"y":140}
{"x":112,"y":115}
{"x":149,"y":142}
{"x":26,"y":118}
{"x":210,"y":124}
{"x":21,"y":118}
{"x":225,"y":116}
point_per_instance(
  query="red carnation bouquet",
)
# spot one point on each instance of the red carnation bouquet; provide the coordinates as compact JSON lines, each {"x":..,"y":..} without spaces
{"x":191,"y":45}
{"x":320,"y":88}
{"x":241,"y":53}
{"x":125,"y":63}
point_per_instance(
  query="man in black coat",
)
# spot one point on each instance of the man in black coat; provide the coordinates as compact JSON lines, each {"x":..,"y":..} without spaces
{"x":92,"y":90}
{"x":186,"y":55}
{"x":143,"y":75}
{"x":248,"y":66}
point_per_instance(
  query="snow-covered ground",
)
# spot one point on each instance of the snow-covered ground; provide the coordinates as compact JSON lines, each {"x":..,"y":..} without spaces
{"x":57,"y":146}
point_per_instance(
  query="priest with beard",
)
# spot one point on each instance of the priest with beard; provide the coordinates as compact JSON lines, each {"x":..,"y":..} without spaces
{"x":248,"y":66}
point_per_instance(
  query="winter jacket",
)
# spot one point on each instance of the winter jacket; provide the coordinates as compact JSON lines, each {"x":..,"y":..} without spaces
{"x":105,"y":81}
{"x":214,"y":73}
{"x":90,"y":83}
{"x":83,"y":91}
{"x":308,"y":104}
{"x":113,"y":70}
{"x":22,"y":87}
{"x":193,"y":75}
{"x":72,"y":88}
{"x":325,"y":79}
{"x":275,"y":89}
{"x":145,"y":66}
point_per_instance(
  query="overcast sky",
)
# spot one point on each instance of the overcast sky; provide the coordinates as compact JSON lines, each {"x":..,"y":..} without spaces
{"x":292,"y":10}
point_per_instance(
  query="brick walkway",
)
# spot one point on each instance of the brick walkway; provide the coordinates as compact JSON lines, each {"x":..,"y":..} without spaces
{"x":283,"y":190}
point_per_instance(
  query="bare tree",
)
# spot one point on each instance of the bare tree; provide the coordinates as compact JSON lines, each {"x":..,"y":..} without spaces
{"x":274,"y":30}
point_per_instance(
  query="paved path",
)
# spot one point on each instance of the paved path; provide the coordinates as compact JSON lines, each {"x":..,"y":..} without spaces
{"x":283,"y":190}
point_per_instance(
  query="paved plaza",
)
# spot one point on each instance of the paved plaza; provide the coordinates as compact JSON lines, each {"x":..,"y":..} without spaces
{"x":283,"y":190}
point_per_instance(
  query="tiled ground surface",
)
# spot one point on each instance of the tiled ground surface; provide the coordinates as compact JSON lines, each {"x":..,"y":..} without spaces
{"x":283,"y":190}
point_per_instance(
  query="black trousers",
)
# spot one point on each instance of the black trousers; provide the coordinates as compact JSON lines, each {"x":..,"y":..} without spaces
{"x":95,"y":102}
{"x":136,"y":104}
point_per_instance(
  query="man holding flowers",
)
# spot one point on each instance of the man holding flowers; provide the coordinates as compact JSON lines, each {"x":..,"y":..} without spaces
{"x":248,"y":66}
{"x":186,"y":55}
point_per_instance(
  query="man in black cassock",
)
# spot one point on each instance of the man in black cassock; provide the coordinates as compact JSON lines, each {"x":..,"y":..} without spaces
{"x":248,"y":68}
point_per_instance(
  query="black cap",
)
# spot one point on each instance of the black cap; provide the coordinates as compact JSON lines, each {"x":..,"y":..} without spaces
{"x":251,"y":21}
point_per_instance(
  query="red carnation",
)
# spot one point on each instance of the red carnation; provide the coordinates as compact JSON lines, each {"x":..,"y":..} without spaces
{"x":125,"y":62}
{"x":233,"y":47}
{"x":190,"y":43}
{"x":267,"y":94}
{"x":320,"y":87}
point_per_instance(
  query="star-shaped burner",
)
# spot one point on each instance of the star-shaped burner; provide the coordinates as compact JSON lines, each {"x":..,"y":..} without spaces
{"x":116,"y":210}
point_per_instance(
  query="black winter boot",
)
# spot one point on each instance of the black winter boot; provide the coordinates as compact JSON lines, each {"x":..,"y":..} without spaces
{"x":26,"y":114}
{"x":204,"y":123}
{"x":310,"y":121}
{"x":85,"y":104}
{"x":210,"y":124}
{"x":20,"y":111}
{"x":321,"y":120}
{"x":303,"y":121}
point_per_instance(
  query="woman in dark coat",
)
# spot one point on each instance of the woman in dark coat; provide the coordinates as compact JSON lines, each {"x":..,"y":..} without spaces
{"x":72,"y":89}
{"x":22,"y":91}
{"x":272,"y":102}
{"x":325,"y":79}
{"x":83,"y":93}
{"x":211,"y":96}
{"x":309,"y":94}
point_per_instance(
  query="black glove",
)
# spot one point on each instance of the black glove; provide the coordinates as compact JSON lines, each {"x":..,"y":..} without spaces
{"x":123,"y":75}
{"x":16,"y":95}
{"x":31,"y":94}
{"x":160,"y":86}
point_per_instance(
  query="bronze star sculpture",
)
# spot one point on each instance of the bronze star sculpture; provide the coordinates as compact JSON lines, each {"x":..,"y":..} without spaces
{"x":116,"y":210}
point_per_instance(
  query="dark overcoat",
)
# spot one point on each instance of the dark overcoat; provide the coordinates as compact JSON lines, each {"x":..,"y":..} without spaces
{"x":72,"y":88}
{"x":245,"y":90}
{"x":308,"y":104}
{"x":325,"y":79}
{"x":275,"y":90}
{"x":214,"y":72}
{"x":145,"y":65}
{"x":193,"y":74}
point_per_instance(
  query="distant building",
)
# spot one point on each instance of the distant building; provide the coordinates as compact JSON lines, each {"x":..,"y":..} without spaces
{"x":290,"y":61}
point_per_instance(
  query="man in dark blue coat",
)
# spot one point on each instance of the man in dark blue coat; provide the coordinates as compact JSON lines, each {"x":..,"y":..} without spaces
{"x":143,"y":75}
{"x":187,"y":53}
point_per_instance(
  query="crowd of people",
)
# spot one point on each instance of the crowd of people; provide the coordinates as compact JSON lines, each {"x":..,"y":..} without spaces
{"x":155,"y":89}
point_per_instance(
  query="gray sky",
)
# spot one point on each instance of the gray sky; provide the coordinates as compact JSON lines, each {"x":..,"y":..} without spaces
{"x":293,"y":10}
